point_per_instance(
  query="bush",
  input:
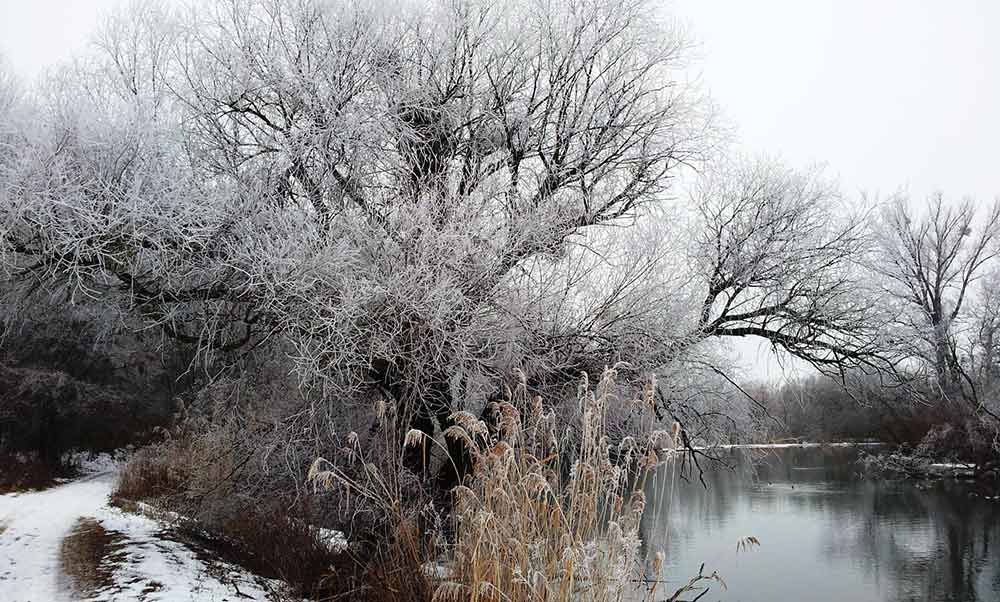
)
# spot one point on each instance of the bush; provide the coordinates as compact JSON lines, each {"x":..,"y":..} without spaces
{"x":271,"y":543}
{"x":195,"y":474}
{"x":27,"y":471}
{"x":972,"y":439}
{"x":154,"y":472}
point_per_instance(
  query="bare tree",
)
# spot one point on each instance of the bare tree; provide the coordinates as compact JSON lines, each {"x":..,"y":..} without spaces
{"x":980,"y":355}
{"x":11,"y":103}
{"x":778,"y":255}
{"x":930,"y":261}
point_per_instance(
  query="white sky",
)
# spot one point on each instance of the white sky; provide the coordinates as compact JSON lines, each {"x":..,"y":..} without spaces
{"x":36,"y":34}
{"x":890,"y":94}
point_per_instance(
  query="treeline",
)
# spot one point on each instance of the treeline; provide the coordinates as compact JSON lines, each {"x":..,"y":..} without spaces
{"x":912,"y":413}
{"x":819,"y":408}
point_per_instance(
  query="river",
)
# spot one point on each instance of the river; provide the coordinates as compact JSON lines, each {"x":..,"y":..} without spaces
{"x":826,"y":534}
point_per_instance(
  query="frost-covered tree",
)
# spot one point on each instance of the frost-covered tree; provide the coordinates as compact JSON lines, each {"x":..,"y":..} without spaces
{"x":930,"y":261}
{"x":778,"y":253}
{"x":419,"y":199}
{"x":407,"y":199}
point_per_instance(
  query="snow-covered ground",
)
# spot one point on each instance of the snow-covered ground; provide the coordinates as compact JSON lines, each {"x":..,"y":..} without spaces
{"x":145,"y":568}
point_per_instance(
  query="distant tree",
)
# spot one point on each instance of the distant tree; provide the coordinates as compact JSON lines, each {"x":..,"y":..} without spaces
{"x":929,"y":262}
{"x":981,"y":353}
{"x":778,"y":258}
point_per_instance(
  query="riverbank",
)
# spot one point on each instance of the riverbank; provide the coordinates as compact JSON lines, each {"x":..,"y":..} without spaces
{"x":911,"y":465}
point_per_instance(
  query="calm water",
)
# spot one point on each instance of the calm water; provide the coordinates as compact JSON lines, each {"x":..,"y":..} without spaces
{"x":826,"y":534}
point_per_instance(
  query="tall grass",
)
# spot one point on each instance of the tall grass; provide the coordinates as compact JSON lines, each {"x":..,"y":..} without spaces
{"x":545,"y":517}
{"x":530,"y":527}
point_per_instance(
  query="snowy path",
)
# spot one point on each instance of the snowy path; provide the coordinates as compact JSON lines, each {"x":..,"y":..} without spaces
{"x":36,"y":523}
{"x":147,"y":568}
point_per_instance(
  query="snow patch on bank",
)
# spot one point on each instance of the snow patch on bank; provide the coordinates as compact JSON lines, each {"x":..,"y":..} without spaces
{"x":334,"y":540}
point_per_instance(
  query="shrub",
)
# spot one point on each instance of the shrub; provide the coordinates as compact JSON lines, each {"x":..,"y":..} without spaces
{"x":199,"y":473}
{"x":270,"y":542}
{"x":27,"y":471}
{"x":153,"y":472}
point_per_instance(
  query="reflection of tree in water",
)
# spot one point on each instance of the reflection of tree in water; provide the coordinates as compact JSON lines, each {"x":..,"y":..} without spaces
{"x":951,"y":557}
{"x":679,"y":508}
{"x":911,"y":544}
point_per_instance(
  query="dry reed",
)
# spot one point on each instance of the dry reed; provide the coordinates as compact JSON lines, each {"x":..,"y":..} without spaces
{"x":543,"y":517}
{"x":530,"y":528}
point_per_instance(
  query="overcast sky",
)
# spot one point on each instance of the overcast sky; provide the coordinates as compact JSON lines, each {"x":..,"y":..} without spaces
{"x":890,"y":94}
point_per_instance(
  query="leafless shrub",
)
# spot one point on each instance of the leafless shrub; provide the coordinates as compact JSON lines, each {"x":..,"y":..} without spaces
{"x":153,"y":473}
{"x":22,"y":472}
{"x":269,"y":541}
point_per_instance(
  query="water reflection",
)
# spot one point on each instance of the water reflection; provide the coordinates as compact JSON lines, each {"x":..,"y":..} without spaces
{"x":826,"y":533}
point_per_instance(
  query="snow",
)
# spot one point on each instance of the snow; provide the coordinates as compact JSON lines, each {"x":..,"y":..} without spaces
{"x":150,"y":568}
{"x":334,"y":540}
{"x":156,"y":569}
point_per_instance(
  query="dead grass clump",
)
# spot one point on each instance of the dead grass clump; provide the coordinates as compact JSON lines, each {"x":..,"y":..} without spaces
{"x":276,"y":545}
{"x":530,"y":528}
{"x":89,"y":555}
{"x":154,"y":472}
{"x":268,"y":542}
